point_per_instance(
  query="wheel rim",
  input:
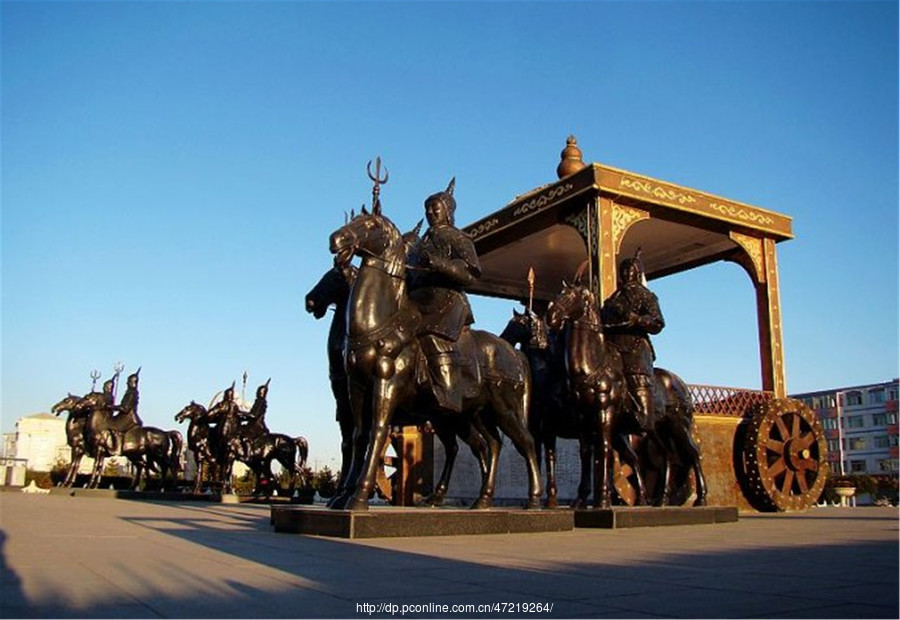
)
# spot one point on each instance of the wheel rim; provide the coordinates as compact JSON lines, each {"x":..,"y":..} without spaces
{"x":786,"y":455}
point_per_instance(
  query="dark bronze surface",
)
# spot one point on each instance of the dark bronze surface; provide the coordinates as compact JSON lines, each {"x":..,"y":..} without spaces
{"x":480,"y":374}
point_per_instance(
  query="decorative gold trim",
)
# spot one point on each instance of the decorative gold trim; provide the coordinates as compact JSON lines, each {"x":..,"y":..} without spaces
{"x":754,"y":249}
{"x":747,"y":215}
{"x":622,"y":219}
{"x":542,"y":200}
{"x":579,"y":221}
{"x":483,"y":227}
{"x":657,"y":191}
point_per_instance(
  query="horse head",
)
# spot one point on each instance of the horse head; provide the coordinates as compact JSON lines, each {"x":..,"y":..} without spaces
{"x":333,"y":288}
{"x":368,"y":235}
{"x":575,"y":301}
{"x":193,"y":411}
{"x":69,"y":403}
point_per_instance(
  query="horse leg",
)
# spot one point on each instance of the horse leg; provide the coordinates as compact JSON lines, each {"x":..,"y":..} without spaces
{"x":345,"y":421}
{"x":138,"y":471}
{"x":691,"y":454}
{"x":550,"y":452}
{"x":198,"y":476}
{"x":361,"y":428}
{"x":604,"y":460}
{"x":586,"y":453}
{"x":447,"y":437}
{"x":628,"y":456}
{"x":384,"y":394}
{"x":489,"y":481}
{"x":511,"y":425}
{"x":73,"y":469}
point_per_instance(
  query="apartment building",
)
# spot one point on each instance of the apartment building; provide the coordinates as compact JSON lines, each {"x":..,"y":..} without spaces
{"x":860,"y":425}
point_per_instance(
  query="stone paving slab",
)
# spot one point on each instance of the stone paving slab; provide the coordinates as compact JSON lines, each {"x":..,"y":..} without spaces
{"x":66,"y":556}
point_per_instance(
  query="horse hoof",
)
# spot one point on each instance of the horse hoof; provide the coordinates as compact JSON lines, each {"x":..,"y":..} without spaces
{"x":482,"y":503}
{"x":533,"y":503}
{"x":578,"y":504}
{"x":435,"y":499}
{"x":700,"y":501}
{"x":551,"y":502}
{"x":357,"y":504}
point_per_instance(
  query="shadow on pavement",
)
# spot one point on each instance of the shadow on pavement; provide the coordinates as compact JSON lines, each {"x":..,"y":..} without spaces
{"x":211,"y":561}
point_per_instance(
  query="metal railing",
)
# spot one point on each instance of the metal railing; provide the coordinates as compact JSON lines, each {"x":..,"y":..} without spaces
{"x":726,"y":401}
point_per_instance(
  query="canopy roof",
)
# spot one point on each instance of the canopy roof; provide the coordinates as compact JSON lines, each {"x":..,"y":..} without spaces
{"x":677,"y":229}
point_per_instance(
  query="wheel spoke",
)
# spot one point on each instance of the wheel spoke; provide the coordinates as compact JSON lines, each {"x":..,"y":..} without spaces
{"x":777,"y":467}
{"x":801,"y":481}
{"x":809,"y":465}
{"x":805,"y":441}
{"x":775,"y":446}
{"x":795,"y":432}
{"x":788,"y":482}
{"x":782,"y":428}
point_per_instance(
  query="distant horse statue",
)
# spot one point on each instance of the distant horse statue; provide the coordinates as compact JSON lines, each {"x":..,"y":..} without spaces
{"x":75,"y":424}
{"x":596,"y":378}
{"x":104,"y":431}
{"x":198,"y":440}
{"x":333,"y":288}
{"x":151,"y":449}
{"x":290,"y":452}
{"x":553,"y":413}
{"x":383,"y":356}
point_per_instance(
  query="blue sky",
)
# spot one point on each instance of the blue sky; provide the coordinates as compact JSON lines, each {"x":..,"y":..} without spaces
{"x":171,"y":172}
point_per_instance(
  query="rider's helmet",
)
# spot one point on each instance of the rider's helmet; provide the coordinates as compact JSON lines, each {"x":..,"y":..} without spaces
{"x":446,"y":198}
{"x":632,"y":269}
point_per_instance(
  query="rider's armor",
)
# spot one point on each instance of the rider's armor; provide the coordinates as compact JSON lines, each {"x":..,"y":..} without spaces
{"x":629,"y":316}
{"x":256,"y":420}
{"x":443,"y":265}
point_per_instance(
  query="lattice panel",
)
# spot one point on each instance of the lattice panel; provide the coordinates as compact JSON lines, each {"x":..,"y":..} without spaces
{"x":726,"y":401}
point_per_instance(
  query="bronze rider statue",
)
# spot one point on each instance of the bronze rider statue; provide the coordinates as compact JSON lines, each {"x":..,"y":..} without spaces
{"x":629,"y":316}
{"x":255,"y":426}
{"x":443,"y":265}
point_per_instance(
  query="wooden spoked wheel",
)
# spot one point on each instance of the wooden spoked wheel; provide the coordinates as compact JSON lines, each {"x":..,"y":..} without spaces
{"x":785,"y":455}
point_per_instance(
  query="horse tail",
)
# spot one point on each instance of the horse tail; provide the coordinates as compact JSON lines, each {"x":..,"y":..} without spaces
{"x":302,"y":451}
{"x":177,"y":443}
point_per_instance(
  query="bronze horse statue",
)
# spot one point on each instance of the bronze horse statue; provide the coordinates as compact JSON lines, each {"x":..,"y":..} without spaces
{"x":553,"y":413}
{"x":105,"y":434}
{"x":595,"y":375}
{"x":150,"y":449}
{"x":383,"y":356}
{"x":333,"y":288}
{"x":290,"y":452}
{"x":75,"y":424}
{"x":199,"y":441}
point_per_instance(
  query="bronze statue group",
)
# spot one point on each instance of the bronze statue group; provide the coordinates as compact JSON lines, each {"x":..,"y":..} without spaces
{"x":401,"y":348}
{"x":218,"y":437}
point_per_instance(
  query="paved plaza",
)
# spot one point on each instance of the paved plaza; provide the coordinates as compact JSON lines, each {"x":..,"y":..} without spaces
{"x":84,"y":557}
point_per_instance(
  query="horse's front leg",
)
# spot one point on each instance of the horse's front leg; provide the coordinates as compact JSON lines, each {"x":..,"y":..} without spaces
{"x":384,"y":394}
{"x":604,"y":460}
{"x":586,"y":454}
{"x":629,"y":456}
{"x":73,"y":469}
{"x":360,"y":431}
{"x":550,"y":453}
{"x":94,"y":482}
{"x":344,"y":415}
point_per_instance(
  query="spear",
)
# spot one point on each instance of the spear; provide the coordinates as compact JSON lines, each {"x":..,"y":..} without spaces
{"x":530,"y":289}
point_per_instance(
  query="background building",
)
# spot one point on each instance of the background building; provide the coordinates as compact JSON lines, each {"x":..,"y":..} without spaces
{"x":40,"y":439}
{"x":860,"y":426}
